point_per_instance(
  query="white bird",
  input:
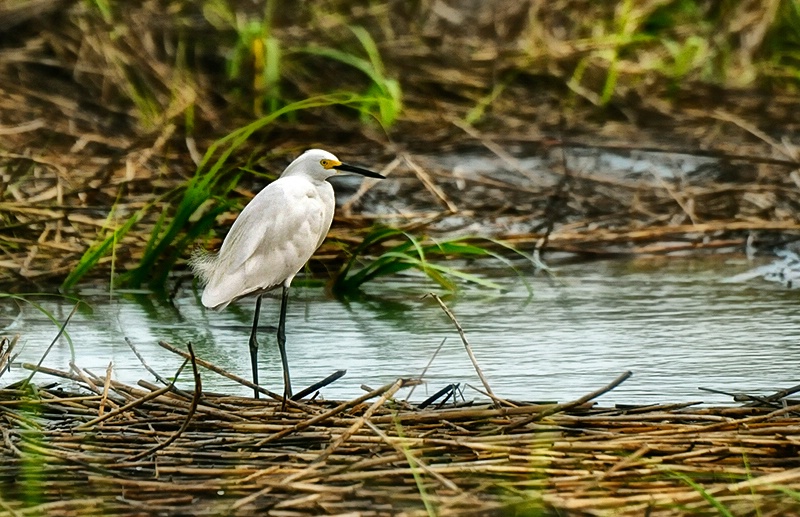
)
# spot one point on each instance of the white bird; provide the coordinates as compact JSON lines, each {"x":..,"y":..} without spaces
{"x":271,"y":240}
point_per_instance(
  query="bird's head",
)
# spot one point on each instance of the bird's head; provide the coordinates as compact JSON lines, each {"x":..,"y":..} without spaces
{"x":320,"y":165}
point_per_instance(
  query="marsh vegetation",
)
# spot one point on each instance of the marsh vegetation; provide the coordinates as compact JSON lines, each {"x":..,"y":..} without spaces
{"x":133,"y":131}
{"x":514,"y":134}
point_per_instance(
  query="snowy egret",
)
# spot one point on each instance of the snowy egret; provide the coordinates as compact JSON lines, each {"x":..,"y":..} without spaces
{"x":271,"y":240}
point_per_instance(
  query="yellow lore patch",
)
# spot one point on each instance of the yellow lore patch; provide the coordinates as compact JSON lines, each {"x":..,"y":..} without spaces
{"x":329,"y":164}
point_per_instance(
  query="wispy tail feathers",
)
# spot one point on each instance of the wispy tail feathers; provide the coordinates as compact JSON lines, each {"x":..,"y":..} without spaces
{"x":202,"y":263}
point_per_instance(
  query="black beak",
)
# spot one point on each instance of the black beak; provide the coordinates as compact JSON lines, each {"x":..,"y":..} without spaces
{"x":358,"y":170}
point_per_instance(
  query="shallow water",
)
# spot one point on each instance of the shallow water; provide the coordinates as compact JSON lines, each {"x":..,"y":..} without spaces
{"x":674,"y":322}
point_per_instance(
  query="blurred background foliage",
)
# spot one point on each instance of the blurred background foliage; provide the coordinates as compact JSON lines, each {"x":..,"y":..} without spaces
{"x":131,"y":129}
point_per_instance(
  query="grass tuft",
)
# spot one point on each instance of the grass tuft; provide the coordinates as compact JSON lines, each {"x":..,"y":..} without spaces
{"x":383,"y":99}
{"x":406,"y":252}
{"x":713,"y":501}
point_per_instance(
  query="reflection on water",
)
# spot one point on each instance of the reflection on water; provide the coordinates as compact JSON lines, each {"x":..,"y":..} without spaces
{"x":674,"y":322}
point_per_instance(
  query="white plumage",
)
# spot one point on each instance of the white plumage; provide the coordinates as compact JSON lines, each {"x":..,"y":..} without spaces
{"x":272,"y":239}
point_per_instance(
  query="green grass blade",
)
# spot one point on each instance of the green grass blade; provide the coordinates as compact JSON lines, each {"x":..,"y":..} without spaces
{"x":356,"y":62}
{"x":389,"y":262}
{"x":49,"y":315}
{"x":794,"y":494}
{"x":702,"y":491}
{"x":469,"y":277}
{"x":374,"y":237}
{"x":384,"y":93}
{"x":508,"y":263}
{"x":414,"y":253}
{"x":97,"y":251}
{"x":377,"y":269}
{"x":476,"y":113}
{"x":415,"y":472}
{"x":272,"y":73}
{"x":456,"y":247}
{"x":371,"y":49}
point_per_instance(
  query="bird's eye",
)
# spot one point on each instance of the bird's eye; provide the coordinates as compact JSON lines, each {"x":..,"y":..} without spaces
{"x":325,"y":163}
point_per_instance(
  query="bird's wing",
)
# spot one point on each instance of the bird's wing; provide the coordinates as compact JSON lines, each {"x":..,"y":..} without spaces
{"x":271,"y":240}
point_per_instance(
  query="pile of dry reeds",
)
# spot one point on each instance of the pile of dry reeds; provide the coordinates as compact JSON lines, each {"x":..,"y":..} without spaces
{"x":114,"y":449}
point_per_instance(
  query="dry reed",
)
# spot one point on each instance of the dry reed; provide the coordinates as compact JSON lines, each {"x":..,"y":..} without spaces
{"x":128,"y":450}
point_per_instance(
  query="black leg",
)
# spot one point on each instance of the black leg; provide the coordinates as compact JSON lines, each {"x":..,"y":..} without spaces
{"x":287,"y":383}
{"x":254,"y":345}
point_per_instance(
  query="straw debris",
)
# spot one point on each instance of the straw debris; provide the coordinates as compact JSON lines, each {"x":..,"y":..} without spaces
{"x":161,"y":450}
